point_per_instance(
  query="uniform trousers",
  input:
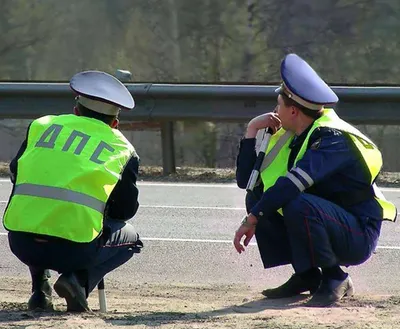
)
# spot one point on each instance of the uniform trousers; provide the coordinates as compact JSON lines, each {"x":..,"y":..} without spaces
{"x":89,"y":261}
{"x":314,"y":232}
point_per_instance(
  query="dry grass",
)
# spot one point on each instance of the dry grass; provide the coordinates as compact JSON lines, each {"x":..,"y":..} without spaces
{"x":212,"y":175}
{"x":189,"y":174}
{"x":4,"y":171}
{"x":227,"y":175}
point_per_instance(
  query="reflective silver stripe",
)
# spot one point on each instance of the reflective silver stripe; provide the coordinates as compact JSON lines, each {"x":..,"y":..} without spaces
{"x":275,"y":150}
{"x":296,"y":181}
{"x":303,"y":174}
{"x":58,"y":193}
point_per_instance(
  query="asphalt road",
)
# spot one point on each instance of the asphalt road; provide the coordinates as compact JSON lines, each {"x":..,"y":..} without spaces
{"x":188,"y":229}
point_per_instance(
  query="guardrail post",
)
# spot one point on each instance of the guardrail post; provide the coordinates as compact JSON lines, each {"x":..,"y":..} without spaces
{"x":168,"y":148}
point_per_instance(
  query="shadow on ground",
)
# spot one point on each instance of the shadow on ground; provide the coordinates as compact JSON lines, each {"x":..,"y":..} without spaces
{"x":14,"y":312}
{"x":16,"y":315}
{"x":159,"y":318}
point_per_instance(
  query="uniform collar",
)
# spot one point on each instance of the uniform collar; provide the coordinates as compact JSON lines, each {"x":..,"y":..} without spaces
{"x":300,"y":139}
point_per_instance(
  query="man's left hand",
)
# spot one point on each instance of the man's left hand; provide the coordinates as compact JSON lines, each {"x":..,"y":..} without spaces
{"x":247,"y":229}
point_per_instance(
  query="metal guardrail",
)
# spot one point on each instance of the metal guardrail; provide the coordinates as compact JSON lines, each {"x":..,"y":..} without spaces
{"x":166,"y":103}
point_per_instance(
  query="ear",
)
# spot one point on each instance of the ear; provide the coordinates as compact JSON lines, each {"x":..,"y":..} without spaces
{"x":76,"y":111}
{"x":115,"y":123}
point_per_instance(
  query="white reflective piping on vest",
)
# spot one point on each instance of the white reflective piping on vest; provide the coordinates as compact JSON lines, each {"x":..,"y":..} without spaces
{"x":304,"y":175}
{"x":296,"y":181}
{"x":378,"y":192}
{"x":58,"y":193}
{"x":275,"y":150}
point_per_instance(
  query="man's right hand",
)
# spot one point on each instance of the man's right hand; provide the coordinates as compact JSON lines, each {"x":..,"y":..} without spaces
{"x":266,"y":120}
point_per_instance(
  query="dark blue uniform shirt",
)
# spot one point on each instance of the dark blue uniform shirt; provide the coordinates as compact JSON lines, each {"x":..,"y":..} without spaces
{"x":332,"y":161}
{"x":123,"y":201}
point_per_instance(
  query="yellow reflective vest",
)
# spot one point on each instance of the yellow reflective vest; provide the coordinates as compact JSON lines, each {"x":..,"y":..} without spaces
{"x":277,"y":156}
{"x":65,"y":176}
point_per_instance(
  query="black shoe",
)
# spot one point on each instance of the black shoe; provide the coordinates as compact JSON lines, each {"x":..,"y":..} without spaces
{"x":331,"y":291}
{"x":293,"y":287}
{"x":68,"y":287}
{"x":41,"y":299}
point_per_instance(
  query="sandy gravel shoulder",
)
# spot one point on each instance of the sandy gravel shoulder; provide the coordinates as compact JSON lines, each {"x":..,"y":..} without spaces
{"x":181,"y":306}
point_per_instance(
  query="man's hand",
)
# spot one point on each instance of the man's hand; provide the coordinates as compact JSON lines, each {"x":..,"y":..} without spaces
{"x":247,"y":228}
{"x":266,"y":120}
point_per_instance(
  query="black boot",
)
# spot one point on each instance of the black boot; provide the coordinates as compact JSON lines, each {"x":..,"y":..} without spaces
{"x":293,"y":287}
{"x":331,"y":291}
{"x":69,"y":287}
{"x":41,"y":299}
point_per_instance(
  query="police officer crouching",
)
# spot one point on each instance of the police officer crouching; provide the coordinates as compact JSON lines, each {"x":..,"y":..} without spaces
{"x":317,"y":207}
{"x":74,"y":189}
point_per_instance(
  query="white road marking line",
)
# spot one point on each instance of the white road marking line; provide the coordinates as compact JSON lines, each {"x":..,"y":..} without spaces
{"x":228,"y":185}
{"x":182,"y":207}
{"x":167,"y":184}
{"x":388,"y":247}
{"x":217,"y":241}
{"x":190,"y":240}
{"x":192,"y":207}
{"x":390,"y":189}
